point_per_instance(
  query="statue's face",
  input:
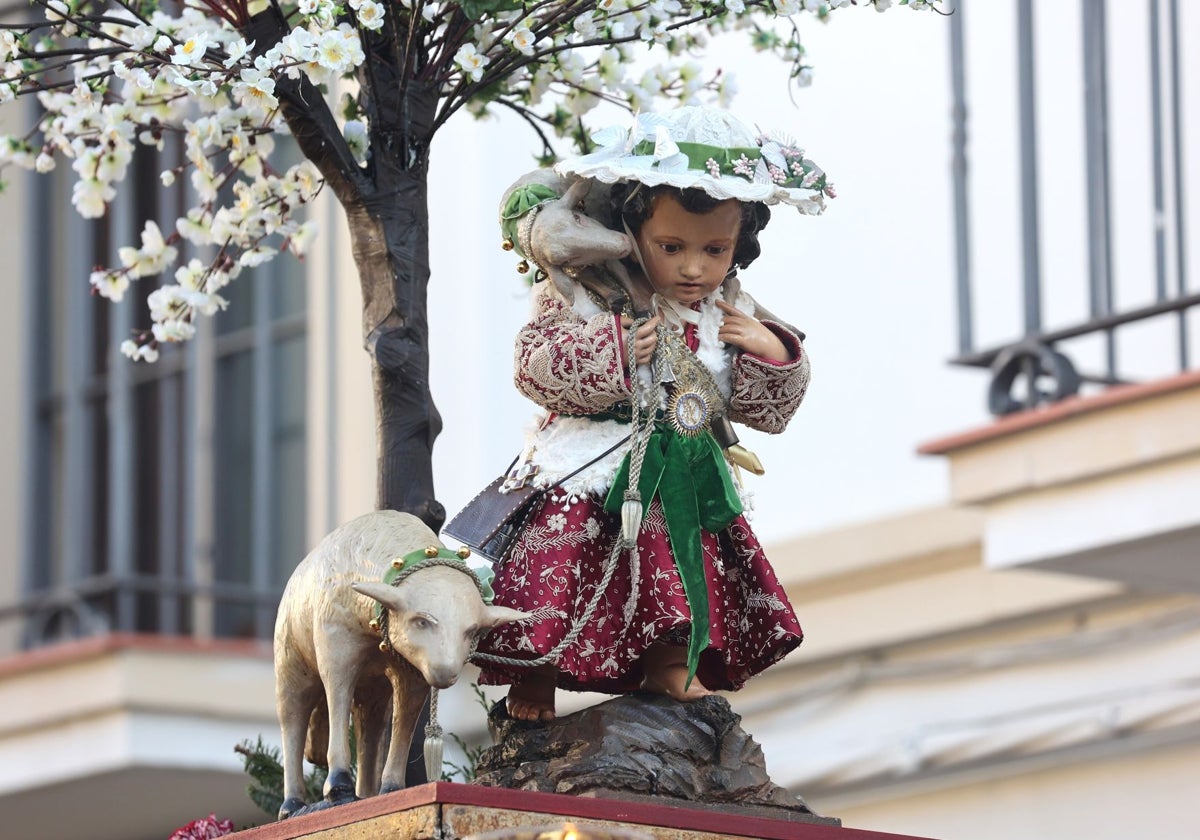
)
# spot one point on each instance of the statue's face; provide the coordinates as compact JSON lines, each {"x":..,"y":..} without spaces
{"x":687,"y":255}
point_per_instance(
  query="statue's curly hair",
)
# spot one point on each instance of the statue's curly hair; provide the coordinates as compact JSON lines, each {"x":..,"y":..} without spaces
{"x":633,"y":202}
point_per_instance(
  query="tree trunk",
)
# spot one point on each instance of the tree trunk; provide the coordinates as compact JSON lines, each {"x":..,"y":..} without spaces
{"x":387,"y":211}
{"x":390,"y":235}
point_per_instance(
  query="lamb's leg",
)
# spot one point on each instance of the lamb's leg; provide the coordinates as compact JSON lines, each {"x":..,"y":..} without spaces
{"x":294,"y":703}
{"x":371,"y":706}
{"x":339,"y":660}
{"x":410,"y":691}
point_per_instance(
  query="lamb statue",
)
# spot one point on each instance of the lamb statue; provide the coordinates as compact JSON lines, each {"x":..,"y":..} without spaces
{"x":559,"y":225}
{"x":377,"y":613}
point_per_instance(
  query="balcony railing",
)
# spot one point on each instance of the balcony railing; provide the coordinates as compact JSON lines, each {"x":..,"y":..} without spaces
{"x":1039,"y":366}
{"x":140,"y":604}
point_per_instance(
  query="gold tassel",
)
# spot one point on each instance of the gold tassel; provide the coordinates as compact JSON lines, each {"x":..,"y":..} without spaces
{"x":744,"y":458}
{"x":631,"y":518}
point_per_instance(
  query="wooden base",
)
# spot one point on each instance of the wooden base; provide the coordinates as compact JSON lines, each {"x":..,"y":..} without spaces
{"x":443,"y":810}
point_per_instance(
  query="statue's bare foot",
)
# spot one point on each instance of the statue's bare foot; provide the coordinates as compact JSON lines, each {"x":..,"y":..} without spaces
{"x":532,"y":699}
{"x":665,"y":668}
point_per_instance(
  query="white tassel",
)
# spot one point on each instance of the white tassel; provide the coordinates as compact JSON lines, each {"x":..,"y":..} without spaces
{"x":631,"y":518}
{"x":433,"y":741}
{"x":433,"y":758}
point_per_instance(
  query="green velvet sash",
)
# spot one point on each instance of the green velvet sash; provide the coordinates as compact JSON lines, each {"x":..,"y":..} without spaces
{"x":689,"y":476}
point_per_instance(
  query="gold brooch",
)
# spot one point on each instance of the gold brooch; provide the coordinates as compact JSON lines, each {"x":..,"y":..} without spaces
{"x":689,"y":412}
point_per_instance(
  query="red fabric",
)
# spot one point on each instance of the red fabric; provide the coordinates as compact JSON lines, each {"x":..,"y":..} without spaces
{"x":559,"y":561}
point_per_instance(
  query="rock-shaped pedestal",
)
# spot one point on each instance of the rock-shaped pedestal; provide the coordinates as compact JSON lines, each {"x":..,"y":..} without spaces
{"x":638,"y":745}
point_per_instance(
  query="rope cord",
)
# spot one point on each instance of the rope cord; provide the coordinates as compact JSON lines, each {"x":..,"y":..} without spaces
{"x":433,"y":728}
{"x":642,"y":426}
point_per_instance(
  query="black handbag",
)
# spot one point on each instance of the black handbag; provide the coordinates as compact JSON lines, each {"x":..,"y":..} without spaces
{"x":491,"y":521}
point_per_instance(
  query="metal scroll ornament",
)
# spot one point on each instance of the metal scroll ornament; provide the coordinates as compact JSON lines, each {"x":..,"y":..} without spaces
{"x":694,"y":399}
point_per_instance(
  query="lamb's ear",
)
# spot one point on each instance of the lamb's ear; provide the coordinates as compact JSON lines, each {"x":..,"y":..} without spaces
{"x":577,"y":193}
{"x":390,"y":596}
{"x":495,"y":616}
{"x":564,"y":284}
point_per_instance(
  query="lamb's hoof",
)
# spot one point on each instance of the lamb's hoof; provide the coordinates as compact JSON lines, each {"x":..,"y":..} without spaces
{"x":289,"y":807}
{"x":339,"y":787}
{"x":388,"y":787}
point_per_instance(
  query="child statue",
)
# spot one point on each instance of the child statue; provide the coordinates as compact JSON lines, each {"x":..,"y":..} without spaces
{"x":694,"y":606}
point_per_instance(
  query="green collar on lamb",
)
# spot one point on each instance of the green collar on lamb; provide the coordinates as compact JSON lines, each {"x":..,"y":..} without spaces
{"x":433,"y":555}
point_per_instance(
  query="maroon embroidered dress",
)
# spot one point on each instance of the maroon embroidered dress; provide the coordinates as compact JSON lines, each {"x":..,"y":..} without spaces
{"x":568,"y":361}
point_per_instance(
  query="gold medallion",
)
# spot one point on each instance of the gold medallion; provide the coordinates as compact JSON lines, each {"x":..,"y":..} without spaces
{"x":688,"y":412}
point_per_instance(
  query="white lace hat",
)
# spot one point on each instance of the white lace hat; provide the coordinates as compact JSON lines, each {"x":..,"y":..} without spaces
{"x":708,"y":149}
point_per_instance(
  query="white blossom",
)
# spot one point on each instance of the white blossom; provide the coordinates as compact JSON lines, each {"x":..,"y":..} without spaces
{"x":255,"y":90}
{"x":523,"y":39}
{"x":173,"y":329}
{"x":90,"y":197}
{"x":154,"y":255}
{"x":585,"y":25}
{"x":110,"y":284}
{"x":236,"y":50}
{"x":10,"y":45}
{"x":139,"y":352}
{"x":370,"y":15}
{"x":191,"y":51}
{"x":471,"y":61}
{"x":302,"y":238}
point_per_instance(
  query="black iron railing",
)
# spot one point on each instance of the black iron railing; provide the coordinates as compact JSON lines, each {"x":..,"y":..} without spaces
{"x":1035,"y":367}
{"x":103,"y":604}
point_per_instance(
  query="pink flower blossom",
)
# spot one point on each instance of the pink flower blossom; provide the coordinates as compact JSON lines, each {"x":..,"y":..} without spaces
{"x":207,"y":828}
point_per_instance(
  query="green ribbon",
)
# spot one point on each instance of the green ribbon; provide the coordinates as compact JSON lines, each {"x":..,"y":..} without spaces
{"x":699,"y":154}
{"x":694,"y":488}
{"x":519,"y":202}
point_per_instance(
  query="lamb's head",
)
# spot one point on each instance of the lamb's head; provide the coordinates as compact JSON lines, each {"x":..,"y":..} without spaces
{"x":435,"y":618}
{"x":563,"y":236}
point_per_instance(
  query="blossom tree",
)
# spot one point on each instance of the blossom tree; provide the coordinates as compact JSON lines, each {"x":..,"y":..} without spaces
{"x":363,"y":87}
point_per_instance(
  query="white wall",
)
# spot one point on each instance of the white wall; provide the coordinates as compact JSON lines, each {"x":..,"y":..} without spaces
{"x":1135,"y":795}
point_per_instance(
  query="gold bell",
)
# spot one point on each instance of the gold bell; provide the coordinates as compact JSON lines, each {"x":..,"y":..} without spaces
{"x":523,"y":267}
{"x":383,"y":646}
{"x":374,"y":624}
{"x":431,"y":551}
{"x":464,"y":553}
{"x":398,"y":564}
{"x":507,"y":245}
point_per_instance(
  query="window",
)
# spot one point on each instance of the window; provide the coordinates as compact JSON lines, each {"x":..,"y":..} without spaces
{"x":167,"y":498}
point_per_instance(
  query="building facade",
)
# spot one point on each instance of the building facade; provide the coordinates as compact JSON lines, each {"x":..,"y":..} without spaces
{"x":1002,"y":631}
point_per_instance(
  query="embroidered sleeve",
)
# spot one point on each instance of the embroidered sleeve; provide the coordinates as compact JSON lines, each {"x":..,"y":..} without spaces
{"x":766,"y":394}
{"x":568,"y":364}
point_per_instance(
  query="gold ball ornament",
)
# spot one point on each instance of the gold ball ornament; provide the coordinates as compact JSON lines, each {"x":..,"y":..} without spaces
{"x":523,"y":267}
{"x":507,"y":245}
{"x":398,"y":564}
{"x":431,"y":551}
{"x":464,"y":553}
{"x":374,"y":624}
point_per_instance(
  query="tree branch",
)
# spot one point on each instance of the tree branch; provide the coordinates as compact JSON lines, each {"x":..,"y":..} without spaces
{"x":307,"y":114}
